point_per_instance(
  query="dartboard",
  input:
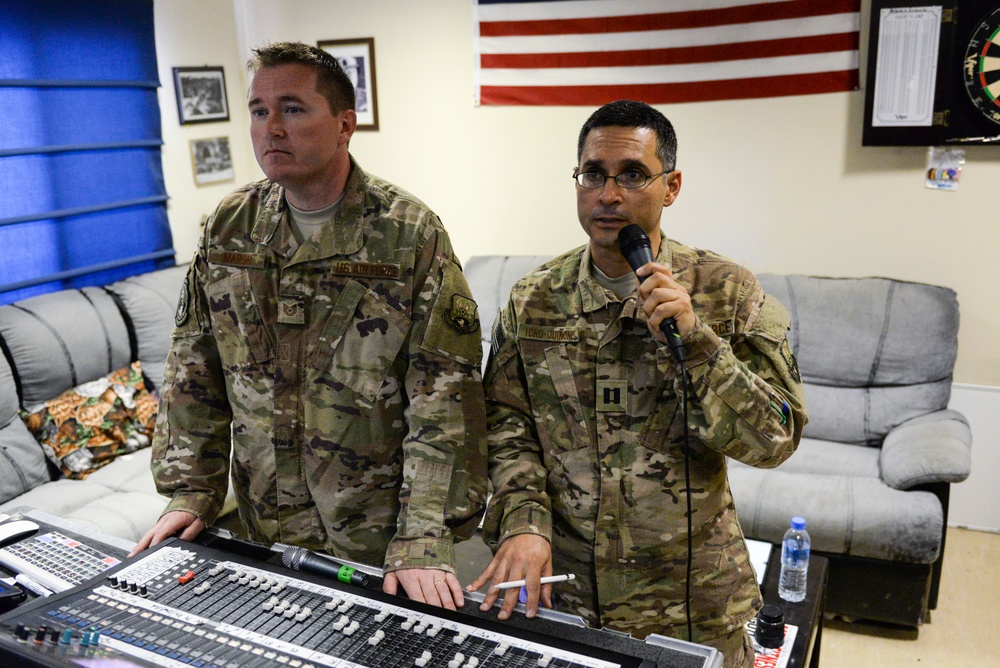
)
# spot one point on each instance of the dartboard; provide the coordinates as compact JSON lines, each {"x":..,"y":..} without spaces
{"x":982,"y":67}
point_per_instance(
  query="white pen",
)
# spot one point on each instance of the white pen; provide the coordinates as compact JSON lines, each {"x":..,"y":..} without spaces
{"x":29,"y":583}
{"x":546,"y":580}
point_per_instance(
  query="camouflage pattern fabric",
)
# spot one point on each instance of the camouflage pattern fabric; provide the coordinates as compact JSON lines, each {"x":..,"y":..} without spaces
{"x":586,"y":439}
{"x":341,"y":378}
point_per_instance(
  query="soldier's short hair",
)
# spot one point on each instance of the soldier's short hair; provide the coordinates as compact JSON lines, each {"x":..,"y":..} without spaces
{"x":632,"y":114}
{"x":332,"y":81}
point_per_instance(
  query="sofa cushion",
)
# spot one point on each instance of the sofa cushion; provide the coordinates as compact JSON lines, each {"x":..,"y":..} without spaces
{"x":853,"y":515}
{"x":86,"y":427}
{"x":150,"y":301}
{"x":22,"y":462}
{"x":873,"y":352}
{"x":829,"y":458}
{"x":119,"y":499}
{"x":9,"y":403}
{"x":62,"y":339}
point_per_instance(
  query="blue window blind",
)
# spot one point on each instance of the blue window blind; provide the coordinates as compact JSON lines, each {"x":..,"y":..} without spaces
{"x":82,"y":196}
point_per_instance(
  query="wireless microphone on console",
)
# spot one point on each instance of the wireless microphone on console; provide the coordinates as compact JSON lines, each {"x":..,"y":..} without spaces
{"x":633,"y":242}
{"x":301,"y":559}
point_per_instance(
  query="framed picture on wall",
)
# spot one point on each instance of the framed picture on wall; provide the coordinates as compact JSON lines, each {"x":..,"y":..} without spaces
{"x":357,"y":57}
{"x":201,"y":94}
{"x":212,"y":160}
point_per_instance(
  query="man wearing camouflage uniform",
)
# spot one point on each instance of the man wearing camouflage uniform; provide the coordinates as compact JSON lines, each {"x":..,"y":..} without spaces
{"x":328,"y":346}
{"x":586,"y":429}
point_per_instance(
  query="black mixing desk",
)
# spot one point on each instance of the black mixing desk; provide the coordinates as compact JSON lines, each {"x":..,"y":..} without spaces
{"x":229,"y":604}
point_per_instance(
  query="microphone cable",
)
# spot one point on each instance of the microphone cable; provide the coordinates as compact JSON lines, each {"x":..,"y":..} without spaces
{"x":685,"y":381}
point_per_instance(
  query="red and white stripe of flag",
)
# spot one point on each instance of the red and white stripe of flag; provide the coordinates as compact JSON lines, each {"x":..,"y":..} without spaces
{"x":588,"y":52}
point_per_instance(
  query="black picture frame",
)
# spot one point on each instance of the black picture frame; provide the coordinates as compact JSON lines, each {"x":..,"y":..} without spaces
{"x":357,"y":57}
{"x":201,"y":94}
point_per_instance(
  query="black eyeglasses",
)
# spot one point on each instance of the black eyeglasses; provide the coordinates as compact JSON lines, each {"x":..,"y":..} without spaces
{"x":632,"y":179}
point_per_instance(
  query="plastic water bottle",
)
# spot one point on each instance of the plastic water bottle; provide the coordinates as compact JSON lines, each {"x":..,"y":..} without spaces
{"x":794,"y":562}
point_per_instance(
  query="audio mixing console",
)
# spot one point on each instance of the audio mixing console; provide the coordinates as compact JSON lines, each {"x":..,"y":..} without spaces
{"x":183,"y":605}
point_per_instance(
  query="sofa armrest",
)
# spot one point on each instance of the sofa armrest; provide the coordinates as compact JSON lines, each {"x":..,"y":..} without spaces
{"x":931,"y":448}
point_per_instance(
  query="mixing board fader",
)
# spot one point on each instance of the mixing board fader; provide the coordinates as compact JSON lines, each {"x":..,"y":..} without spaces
{"x":188,"y":606}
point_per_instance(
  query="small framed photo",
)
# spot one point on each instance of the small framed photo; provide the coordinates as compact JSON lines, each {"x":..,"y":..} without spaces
{"x":201,"y":94}
{"x":212,"y":160}
{"x":357,"y":57}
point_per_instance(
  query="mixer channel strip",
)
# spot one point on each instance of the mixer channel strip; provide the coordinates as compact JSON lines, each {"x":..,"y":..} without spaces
{"x":176,"y":608}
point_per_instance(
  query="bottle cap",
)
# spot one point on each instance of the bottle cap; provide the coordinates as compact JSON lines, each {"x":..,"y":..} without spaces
{"x":770,"y":630}
{"x":798,"y":523}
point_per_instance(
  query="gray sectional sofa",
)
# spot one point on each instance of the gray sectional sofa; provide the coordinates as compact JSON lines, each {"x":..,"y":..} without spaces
{"x":55,"y":342}
{"x":881,"y":448}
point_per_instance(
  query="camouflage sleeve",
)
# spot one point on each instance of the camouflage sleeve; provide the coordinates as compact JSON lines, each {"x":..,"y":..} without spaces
{"x":519,"y":503}
{"x":748,"y":400}
{"x":444,"y":453}
{"x":191,"y":443}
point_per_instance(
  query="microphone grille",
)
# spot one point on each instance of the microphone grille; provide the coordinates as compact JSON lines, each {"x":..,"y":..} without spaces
{"x":630,"y":237}
{"x":292,"y":557}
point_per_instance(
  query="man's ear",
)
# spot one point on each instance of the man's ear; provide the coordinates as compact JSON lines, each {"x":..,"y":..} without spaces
{"x":673,"y":187}
{"x":348,"y":124}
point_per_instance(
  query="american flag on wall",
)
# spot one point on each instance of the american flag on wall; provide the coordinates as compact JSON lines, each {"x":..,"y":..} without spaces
{"x":588,"y":52}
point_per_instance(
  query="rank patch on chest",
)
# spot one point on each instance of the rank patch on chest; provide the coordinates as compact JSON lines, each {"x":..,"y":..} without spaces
{"x":291,"y":311}
{"x":612,"y":396}
{"x":463,"y":315}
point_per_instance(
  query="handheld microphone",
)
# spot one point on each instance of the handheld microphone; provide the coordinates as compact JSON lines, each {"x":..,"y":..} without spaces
{"x":301,"y":559}
{"x":635,"y":247}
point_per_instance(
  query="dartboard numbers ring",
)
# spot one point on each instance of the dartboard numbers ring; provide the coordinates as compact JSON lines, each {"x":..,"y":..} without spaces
{"x":982,"y":67}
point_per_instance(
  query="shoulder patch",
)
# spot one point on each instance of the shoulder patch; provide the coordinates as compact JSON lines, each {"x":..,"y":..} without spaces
{"x":463,"y":315}
{"x":453,"y":325}
{"x":181,"y":315}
